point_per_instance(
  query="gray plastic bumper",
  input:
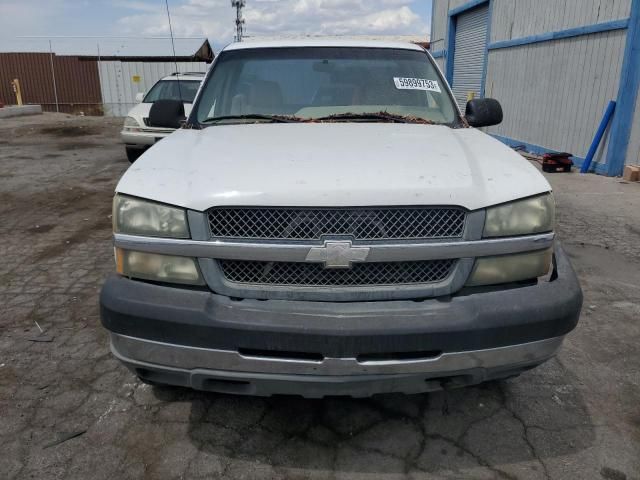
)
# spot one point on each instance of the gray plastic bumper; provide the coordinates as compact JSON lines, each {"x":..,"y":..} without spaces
{"x":211,"y":342}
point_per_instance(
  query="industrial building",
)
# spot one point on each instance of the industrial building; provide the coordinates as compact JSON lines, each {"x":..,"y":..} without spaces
{"x":554,"y":67}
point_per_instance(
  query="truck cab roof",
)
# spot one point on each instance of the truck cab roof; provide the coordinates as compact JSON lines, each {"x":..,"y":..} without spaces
{"x":322,"y":42}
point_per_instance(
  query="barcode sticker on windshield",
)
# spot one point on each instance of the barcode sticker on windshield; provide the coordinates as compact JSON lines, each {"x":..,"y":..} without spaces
{"x":403,"y":83}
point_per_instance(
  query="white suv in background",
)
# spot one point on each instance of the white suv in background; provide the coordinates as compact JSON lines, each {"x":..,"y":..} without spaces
{"x":138,"y":134}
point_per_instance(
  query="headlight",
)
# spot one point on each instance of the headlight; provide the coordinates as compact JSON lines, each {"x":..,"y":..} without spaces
{"x":510,"y":268}
{"x":522,"y":217}
{"x":142,"y":217}
{"x":159,"y":268}
{"x":131,"y":123}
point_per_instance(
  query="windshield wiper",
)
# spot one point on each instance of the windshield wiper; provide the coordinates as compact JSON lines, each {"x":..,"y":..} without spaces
{"x":338,"y":117}
{"x":255,"y":116}
{"x":375,"y":117}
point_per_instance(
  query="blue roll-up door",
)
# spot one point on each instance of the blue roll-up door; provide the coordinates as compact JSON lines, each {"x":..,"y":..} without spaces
{"x":468,"y":62}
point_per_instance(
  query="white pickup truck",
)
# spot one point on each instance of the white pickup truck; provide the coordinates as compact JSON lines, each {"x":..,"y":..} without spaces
{"x":328,"y":222}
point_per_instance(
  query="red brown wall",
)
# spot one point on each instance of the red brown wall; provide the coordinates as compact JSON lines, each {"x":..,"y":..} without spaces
{"x":77,"y":82}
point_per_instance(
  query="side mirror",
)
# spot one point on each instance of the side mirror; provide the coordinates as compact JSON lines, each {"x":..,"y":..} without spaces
{"x":166,"y":114}
{"x":483,"y":112}
{"x":139,"y":97}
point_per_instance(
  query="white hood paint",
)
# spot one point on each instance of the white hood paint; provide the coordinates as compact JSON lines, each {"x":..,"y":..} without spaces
{"x":331,"y":164}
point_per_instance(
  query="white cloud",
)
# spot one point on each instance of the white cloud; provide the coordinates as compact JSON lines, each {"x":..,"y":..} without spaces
{"x":215,"y":18}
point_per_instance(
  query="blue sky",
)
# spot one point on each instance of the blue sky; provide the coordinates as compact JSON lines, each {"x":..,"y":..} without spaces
{"x":196,"y":18}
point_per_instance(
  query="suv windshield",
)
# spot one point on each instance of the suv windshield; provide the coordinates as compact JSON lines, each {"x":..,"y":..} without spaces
{"x":308,"y":83}
{"x":169,"y":90}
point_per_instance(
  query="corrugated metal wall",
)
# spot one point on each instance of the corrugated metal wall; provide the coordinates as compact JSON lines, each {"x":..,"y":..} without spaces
{"x":471,"y":41}
{"x":456,"y":3}
{"x":554,"y":93}
{"x":633,"y":152}
{"x":439,"y":25}
{"x":77,"y":82}
{"x":118,"y":88}
{"x":522,"y":18}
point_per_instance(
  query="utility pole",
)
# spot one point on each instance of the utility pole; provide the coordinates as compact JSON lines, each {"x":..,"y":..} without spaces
{"x":239,"y":5}
{"x":53,"y":77}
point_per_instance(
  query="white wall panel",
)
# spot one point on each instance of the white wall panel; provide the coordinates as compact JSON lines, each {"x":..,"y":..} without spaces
{"x":523,"y":18}
{"x":439,"y":31}
{"x":456,"y":3}
{"x":554,"y":93}
{"x":117,"y":85}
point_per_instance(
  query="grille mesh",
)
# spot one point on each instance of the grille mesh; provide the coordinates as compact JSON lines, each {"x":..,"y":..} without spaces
{"x":314,"y":223}
{"x":315,"y":275}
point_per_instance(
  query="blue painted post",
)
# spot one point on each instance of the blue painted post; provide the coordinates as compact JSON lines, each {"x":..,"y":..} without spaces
{"x":598,"y":137}
{"x":451,"y":49}
{"x":627,"y":94}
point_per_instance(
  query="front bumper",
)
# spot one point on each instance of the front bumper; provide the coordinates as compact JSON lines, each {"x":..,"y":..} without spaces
{"x":210,"y":342}
{"x":143,"y":138}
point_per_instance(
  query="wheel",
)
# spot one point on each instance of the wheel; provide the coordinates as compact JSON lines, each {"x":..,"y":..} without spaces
{"x":133,"y":153}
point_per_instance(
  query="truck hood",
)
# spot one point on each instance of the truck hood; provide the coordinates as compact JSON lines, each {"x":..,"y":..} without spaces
{"x":331,"y":164}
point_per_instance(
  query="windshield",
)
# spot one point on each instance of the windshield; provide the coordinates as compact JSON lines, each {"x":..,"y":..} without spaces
{"x":169,"y":90}
{"x":320,"y":82}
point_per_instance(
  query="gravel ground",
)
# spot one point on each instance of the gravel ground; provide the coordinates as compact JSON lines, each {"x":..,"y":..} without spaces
{"x":69,"y":410}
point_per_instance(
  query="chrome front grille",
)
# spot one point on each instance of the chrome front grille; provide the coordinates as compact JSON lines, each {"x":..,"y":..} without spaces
{"x":311,"y":224}
{"x":298,"y":274}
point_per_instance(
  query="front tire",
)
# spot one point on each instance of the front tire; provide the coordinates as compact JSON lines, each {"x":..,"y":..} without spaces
{"x":133,"y":153}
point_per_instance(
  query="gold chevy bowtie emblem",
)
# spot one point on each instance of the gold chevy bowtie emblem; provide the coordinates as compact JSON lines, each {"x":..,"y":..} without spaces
{"x":337,"y":254}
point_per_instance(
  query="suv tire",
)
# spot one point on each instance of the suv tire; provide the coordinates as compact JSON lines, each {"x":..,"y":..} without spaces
{"x":133,"y":153}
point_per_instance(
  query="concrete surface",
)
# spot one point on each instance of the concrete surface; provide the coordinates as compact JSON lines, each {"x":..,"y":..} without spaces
{"x":576,"y":417}
{"x":20,"y":111}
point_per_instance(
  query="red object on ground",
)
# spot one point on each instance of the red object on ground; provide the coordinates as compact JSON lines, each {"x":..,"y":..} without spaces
{"x":554,"y":162}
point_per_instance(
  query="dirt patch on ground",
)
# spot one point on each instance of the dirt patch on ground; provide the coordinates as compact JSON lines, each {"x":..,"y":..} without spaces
{"x":70,"y":130}
{"x":75,"y":146}
{"x":40,"y":228}
{"x":86,"y":230}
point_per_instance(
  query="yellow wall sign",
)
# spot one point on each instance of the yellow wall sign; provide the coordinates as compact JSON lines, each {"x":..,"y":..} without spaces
{"x":136,"y":79}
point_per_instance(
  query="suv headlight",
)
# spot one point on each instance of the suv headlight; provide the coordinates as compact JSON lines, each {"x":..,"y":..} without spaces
{"x":131,"y":123}
{"x":134,"y":216}
{"x":522,"y":217}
